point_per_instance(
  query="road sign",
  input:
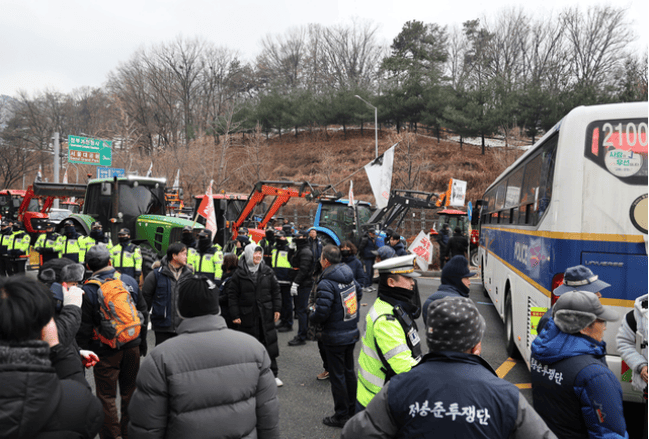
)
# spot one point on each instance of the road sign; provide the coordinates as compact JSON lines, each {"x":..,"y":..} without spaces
{"x":110,"y":172}
{"x":87,"y":151}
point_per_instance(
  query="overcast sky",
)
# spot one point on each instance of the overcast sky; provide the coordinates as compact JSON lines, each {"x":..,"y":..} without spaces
{"x":65,"y":44}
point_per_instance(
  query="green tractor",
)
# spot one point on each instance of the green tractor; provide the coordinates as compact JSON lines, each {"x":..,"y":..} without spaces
{"x":135,"y":203}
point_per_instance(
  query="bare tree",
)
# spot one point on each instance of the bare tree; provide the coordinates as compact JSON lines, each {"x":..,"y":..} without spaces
{"x":257,"y":154}
{"x":597,"y":41}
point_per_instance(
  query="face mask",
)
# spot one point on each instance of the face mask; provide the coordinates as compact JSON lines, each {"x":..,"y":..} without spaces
{"x":6,"y":230}
{"x":69,"y":230}
{"x":346,"y":253}
{"x":281,"y":243}
{"x":16,"y":227}
{"x":123,"y":239}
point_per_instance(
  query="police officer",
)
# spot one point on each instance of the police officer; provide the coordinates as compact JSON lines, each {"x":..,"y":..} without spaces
{"x":69,"y":245}
{"x":188,"y":237}
{"x":284,"y":272}
{"x":391,"y":343}
{"x":97,"y":236}
{"x":19,"y":248}
{"x":206,"y":258}
{"x":6,"y":239}
{"x":125,"y":256}
{"x":46,"y":243}
{"x":267,"y":243}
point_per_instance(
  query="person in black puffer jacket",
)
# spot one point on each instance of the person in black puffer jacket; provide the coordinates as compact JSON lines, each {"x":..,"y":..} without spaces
{"x":303,"y":262}
{"x":35,"y":402}
{"x":255,"y":301}
{"x":336,"y":310}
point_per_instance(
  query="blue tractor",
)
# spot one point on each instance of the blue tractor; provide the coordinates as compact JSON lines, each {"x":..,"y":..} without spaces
{"x":336,"y":221}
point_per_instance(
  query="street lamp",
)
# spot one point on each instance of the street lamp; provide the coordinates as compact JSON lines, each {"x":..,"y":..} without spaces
{"x":376,"y":133}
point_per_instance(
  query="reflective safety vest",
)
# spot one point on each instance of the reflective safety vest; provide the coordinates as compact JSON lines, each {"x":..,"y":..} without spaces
{"x":86,"y":242}
{"x":383,"y":331}
{"x":127,"y":259}
{"x":281,"y":265}
{"x":209,"y":263}
{"x":6,"y":241}
{"x":71,"y":249}
{"x":47,"y":246}
{"x":43,"y":242}
{"x":21,"y":241}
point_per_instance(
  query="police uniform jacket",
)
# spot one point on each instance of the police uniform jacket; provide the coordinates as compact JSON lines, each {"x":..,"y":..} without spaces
{"x":336,"y":306}
{"x":449,"y":394}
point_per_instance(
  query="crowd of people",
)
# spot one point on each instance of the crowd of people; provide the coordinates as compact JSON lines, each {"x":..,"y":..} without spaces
{"x":213,"y":371}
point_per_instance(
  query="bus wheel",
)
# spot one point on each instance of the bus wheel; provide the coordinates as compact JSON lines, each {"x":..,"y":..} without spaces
{"x":512,"y":350}
{"x":475,"y":260}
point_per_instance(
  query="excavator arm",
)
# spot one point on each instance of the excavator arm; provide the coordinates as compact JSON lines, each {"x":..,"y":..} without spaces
{"x":398,"y":205}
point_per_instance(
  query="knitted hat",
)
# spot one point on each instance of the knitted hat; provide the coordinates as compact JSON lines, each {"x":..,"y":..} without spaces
{"x":197,"y":296}
{"x":454,"y":324}
{"x":97,"y":257}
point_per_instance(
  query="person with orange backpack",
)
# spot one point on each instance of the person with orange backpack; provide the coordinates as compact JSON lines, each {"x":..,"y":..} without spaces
{"x":113,"y":325}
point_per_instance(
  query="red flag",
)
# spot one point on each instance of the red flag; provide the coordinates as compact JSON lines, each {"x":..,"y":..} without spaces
{"x":206,"y":210}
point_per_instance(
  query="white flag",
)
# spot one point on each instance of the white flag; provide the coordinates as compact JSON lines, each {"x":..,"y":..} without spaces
{"x":423,"y":248}
{"x":150,"y":171}
{"x":351,"y":193}
{"x":177,"y":180}
{"x":458,"y":193}
{"x":379,"y":172}
{"x":206,"y":210}
{"x":65,"y":176}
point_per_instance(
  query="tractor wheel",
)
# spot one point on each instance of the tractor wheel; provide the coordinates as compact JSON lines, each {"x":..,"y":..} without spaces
{"x":148,"y":258}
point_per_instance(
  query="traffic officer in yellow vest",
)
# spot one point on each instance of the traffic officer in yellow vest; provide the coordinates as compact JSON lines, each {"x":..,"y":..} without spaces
{"x":391,"y":344}
{"x":46,"y":243}
{"x":206,"y":258}
{"x":6,"y":240}
{"x":69,"y":245}
{"x":19,"y":248}
{"x":126,"y":257}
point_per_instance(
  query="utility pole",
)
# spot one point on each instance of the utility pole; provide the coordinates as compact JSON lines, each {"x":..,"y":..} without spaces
{"x":57,"y":165}
{"x":376,"y":132}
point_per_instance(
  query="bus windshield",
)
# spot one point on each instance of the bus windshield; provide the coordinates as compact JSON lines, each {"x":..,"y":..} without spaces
{"x":620,"y":147}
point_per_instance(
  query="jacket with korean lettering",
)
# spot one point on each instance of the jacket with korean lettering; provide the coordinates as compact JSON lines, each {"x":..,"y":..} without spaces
{"x":336,"y":306}
{"x":574,"y":391}
{"x":449,"y":394}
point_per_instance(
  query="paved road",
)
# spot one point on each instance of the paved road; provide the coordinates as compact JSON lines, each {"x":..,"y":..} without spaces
{"x":305,"y":400}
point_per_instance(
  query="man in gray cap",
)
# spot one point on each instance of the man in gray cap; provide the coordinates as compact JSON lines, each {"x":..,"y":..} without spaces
{"x":573,"y":389}
{"x":453,"y":392}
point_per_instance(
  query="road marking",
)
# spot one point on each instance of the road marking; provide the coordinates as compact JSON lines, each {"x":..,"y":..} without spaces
{"x":505,"y":367}
{"x":524,"y":386}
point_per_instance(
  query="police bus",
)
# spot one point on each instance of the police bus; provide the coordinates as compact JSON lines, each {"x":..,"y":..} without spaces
{"x":577,"y":196}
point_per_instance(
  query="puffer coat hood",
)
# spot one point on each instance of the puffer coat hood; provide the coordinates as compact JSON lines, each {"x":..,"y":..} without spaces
{"x":552,"y":345}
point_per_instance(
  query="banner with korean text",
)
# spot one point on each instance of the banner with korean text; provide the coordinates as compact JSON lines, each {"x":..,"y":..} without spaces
{"x":423,"y":249}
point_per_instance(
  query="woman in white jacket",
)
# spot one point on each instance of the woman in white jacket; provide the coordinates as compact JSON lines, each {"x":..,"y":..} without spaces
{"x":632,"y":343}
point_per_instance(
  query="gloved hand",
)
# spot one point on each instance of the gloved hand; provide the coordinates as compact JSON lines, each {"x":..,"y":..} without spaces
{"x":292,"y":245}
{"x":72,"y":296}
{"x":88,"y":358}
{"x":294,"y":289}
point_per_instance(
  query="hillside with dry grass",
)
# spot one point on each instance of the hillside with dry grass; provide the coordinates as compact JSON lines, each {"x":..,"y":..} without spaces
{"x":332,"y":156}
